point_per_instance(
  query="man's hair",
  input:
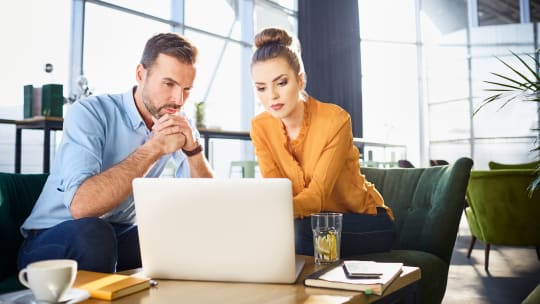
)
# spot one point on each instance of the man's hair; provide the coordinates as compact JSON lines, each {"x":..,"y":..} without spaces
{"x":171,"y":44}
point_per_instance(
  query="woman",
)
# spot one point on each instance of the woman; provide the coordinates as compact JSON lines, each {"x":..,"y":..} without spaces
{"x":310,"y":142}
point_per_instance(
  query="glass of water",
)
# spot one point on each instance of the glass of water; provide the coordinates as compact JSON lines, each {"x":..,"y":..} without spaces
{"x":326,"y":227}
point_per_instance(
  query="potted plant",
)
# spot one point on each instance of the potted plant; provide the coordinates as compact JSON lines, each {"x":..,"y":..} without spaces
{"x":517,"y":86}
{"x":82,"y":90}
{"x":199,"y":114}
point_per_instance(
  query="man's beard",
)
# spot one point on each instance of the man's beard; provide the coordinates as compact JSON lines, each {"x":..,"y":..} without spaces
{"x":151,"y":108}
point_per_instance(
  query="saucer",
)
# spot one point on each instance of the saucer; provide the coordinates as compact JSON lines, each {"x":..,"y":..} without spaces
{"x":73,"y":295}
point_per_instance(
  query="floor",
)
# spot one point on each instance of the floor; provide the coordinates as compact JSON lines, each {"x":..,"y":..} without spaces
{"x":513,"y":273}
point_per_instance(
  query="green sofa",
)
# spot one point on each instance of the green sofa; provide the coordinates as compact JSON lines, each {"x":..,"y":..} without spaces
{"x":18,"y":193}
{"x":500,"y":211}
{"x":428,"y":204}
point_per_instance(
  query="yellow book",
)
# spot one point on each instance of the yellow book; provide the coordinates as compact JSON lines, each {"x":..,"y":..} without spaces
{"x":109,"y":286}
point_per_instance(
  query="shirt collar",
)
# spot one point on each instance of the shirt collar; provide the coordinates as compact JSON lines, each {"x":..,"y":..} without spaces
{"x":131,"y":109}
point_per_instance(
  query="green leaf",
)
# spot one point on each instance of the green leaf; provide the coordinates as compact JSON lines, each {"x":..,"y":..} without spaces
{"x":527,"y":66}
{"x":520,"y":84}
{"x":534,"y":184}
{"x":514,"y":87}
{"x":516,"y":71}
{"x":505,"y":85}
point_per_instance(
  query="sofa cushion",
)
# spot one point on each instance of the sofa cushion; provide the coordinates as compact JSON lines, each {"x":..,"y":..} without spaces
{"x":434,"y":270}
{"x":18,"y":194}
{"x":427,"y":204}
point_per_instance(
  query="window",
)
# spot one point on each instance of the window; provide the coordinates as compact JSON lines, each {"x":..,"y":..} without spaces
{"x":389,"y":74}
{"x":492,"y":12}
{"x":218,"y":80}
{"x":34,"y":33}
{"x":158,"y":8}
{"x":216,"y":16}
{"x":112,"y":51}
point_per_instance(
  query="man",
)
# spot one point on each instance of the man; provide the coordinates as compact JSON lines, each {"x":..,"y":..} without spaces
{"x":86,"y":210}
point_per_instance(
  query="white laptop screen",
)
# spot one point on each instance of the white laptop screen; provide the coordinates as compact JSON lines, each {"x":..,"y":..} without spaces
{"x":216,"y":229}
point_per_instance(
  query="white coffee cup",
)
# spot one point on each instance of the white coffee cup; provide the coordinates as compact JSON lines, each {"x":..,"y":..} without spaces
{"x":49,"y":279}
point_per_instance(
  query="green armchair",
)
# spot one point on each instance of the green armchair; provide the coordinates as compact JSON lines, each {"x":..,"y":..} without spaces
{"x":497,"y":166}
{"x":533,"y":297}
{"x":18,"y":194}
{"x":500,"y":210}
{"x":428,"y":204}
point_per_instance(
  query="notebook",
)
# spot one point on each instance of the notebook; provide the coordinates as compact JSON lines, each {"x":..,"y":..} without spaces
{"x":233,"y":230}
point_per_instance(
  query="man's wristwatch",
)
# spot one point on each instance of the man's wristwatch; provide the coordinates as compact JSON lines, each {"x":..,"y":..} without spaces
{"x":195,"y":151}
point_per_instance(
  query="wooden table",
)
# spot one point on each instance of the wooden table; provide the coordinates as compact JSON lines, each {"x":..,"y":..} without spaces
{"x":45,"y":123}
{"x":170,"y":291}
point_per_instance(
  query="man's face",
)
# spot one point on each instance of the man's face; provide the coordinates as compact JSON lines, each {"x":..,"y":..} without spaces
{"x":166,"y":85}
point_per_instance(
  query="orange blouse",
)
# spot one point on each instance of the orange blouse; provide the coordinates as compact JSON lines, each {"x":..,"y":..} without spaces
{"x":323,"y":164}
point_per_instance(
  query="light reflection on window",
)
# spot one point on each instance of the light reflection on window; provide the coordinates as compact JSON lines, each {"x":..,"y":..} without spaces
{"x":389,"y":20}
{"x":268,"y":16}
{"x":290,"y":4}
{"x":110,"y":59}
{"x":389,"y":73}
{"x":158,"y":8}
{"x":218,"y":80}
{"x":33,"y":33}
{"x":215,"y":16}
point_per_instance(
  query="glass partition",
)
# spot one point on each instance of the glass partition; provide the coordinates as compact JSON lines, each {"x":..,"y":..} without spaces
{"x":390,"y":76}
{"x":111,"y":53}
{"x":33,"y":33}
{"x":158,"y":8}
{"x":216,"y":16}
{"x":501,"y":134}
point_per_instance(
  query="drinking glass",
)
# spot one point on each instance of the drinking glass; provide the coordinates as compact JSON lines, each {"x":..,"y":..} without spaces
{"x":326,"y":227}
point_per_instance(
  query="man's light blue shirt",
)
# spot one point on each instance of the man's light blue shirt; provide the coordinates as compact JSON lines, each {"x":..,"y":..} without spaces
{"x":98,"y":133}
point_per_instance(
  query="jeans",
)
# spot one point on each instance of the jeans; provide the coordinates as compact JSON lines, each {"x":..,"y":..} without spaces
{"x":360,"y":234}
{"x":95,"y":244}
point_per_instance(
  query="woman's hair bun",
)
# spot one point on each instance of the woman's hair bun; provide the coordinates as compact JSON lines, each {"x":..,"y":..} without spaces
{"x":273,"y":36}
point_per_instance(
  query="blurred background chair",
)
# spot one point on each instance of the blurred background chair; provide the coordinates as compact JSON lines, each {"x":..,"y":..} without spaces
{"x":437,"y":162}
{"x":500,"y":210}
{"x":427,"y":204}
{"x":496,"y":166}
{"x":403,"y":163}
{"x":247,"y":168}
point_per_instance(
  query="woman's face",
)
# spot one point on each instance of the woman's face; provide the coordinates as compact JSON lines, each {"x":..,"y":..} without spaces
{"x":277,"y":86}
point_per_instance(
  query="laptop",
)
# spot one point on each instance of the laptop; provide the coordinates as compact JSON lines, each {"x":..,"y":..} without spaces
{"x":233,"y":230}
